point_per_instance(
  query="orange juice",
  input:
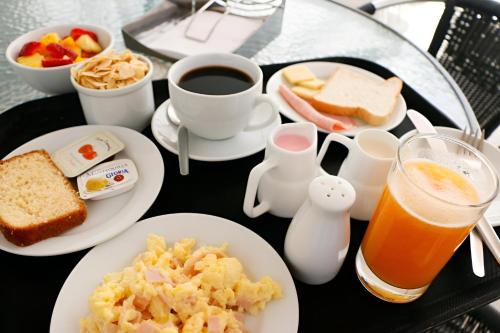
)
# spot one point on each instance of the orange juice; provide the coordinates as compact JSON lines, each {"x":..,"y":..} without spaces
{"x":412,"y":234}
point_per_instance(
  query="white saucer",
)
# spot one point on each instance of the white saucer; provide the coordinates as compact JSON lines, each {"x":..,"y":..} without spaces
{"x":323,"y":70}
{"x":243,"y":144}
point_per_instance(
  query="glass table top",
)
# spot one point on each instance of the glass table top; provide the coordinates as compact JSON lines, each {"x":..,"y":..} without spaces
{"x":311,"y":29}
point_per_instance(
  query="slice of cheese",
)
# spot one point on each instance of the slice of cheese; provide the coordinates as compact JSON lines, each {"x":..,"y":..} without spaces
{"x":297,"y":73}
{"x":312,"y":84}
{"x":305,"y":93}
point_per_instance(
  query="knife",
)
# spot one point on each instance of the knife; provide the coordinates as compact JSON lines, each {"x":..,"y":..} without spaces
{"x":489,"y":237}
{"x":493,"y":213}
{"x":476,"y":253}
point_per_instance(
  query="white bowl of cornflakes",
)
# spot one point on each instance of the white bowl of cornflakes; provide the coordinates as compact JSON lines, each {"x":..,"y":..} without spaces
{"x":55,"y":78}
{"x":116,"y":89}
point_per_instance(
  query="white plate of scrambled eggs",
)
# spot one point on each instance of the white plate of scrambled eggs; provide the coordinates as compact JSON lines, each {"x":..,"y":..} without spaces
{"x":179,"y":273}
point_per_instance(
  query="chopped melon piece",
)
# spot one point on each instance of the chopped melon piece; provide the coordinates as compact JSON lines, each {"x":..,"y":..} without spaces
{"x":70,"y":43}
{"x":50,"y":38}
{"x":34,"y":60}
{"x":87,"y":44}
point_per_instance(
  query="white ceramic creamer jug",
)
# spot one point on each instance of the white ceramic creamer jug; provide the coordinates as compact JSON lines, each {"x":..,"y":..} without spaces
{"x":318,"y":237}
{"x":280,"y":182}
{"x":366,"y":167}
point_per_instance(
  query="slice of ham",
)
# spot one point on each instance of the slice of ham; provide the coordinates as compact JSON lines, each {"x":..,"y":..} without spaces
{"x":215,"y":325}
{"x":329,"y":123}
{"x":244,"y":303}
{"x":199,"y":254}
{"x":344,"y":119}
{"x":147,"y":327}
{"x":111,"y":328}
{"x":153,"y":275}
{"x":140,"y":303}
{"x":145,"y":315}
{"x":239,"y":316}
{"x":165,"y":299}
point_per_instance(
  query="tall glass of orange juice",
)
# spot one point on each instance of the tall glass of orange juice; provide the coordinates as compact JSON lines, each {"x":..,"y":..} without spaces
{"x":431,"y":202}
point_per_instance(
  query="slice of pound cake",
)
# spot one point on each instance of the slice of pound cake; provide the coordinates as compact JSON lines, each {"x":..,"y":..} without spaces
{"x":36,"y":200}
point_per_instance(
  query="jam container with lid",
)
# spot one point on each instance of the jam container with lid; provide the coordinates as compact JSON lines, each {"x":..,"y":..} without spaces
{"x":107,"y":180}
{"x":81,"y":155}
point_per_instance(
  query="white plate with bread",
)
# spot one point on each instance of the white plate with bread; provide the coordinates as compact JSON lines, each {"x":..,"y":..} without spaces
{"x":343,"y":92}
{"x":40,"y":211}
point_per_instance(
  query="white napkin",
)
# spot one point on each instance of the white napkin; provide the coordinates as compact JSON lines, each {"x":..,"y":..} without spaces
{"x":229,"y":34}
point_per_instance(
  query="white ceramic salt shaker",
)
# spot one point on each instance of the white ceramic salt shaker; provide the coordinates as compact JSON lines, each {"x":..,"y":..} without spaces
{"x":317,"y":239}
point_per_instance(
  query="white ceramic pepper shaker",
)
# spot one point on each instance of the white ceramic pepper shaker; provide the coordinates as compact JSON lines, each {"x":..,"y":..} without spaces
{"x":317,"y":239}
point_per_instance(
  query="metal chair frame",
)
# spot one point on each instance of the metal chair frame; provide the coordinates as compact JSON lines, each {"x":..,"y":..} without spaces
{"x":474,"y":60}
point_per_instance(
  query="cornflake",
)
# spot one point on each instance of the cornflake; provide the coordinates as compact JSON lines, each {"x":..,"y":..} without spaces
{"x":111,"y":71}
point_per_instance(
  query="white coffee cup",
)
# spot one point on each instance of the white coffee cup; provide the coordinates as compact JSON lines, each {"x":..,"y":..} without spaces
{"x":366,"y":167}
{"x":217,"y":117}
{"x":281,"y":181}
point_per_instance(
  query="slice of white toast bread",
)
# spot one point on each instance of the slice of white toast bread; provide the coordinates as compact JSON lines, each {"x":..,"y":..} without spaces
{"x":351,"y":93}
{"x":36,"y":200}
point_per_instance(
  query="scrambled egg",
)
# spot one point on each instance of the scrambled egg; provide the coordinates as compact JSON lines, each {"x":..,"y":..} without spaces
{"x":176,"y":290}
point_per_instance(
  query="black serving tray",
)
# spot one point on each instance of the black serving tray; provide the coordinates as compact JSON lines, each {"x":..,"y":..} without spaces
{"x":29,"y":286}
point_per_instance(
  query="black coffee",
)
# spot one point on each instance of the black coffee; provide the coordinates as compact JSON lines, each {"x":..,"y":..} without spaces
{"x":215,"y":80}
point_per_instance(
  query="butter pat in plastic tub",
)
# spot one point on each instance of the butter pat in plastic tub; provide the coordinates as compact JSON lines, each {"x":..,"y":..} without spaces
{"x":81,"y":155}
{"x":107,"y":180}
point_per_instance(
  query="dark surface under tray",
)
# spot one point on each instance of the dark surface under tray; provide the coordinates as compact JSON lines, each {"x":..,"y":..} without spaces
{"x":29,"y":286}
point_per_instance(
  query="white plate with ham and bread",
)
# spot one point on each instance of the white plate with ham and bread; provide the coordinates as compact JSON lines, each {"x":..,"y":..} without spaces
{"x":337,"y":97}
{"x":41,"y":212}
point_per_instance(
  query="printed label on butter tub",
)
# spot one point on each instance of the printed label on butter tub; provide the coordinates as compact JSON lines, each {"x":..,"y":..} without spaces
{"x":107,"y":179}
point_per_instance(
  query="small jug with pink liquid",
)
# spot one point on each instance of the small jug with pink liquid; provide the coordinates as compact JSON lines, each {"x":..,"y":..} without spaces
{"x":281,"y":181}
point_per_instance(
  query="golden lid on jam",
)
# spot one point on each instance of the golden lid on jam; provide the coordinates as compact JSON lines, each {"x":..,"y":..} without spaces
{"x":107,"y":179}
{"x":83,"y":154}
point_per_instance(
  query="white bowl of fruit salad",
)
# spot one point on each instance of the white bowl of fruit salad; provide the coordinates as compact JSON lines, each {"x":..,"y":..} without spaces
{"x":43,"y":57}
